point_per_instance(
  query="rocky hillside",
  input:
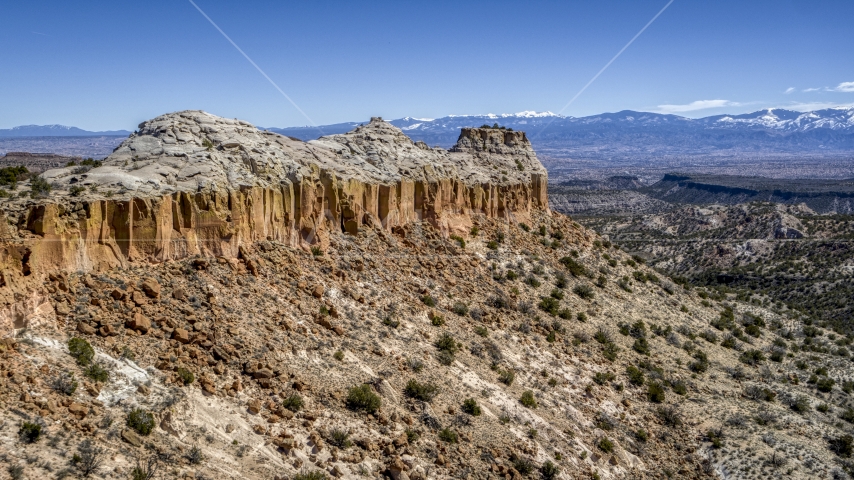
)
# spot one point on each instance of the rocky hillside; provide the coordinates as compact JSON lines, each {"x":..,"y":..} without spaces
{"x":486,"y":337}
{"x":786,"y":256}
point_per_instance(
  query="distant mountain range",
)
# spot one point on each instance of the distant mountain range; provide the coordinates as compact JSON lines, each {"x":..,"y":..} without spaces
{"x":621,"y":137}
{"x":57,"y":131}
{"x":633,"y":136}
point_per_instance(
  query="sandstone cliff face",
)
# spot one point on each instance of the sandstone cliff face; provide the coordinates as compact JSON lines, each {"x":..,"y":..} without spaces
{"x":192,"y":183}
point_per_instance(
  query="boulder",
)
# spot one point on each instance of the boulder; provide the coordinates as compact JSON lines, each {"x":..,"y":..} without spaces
{"x":139,"y":322}
{"x":131,"y":437}
{"x":181,"y":335}
{"x":85,"y":328}
{"x":151,"y":287}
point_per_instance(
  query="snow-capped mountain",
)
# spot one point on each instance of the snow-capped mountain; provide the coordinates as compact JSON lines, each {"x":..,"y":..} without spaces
{"x":840,"y":119}
{"x":644,"y":136}
{"x":56,"y":131}
{"x":772,"y":120}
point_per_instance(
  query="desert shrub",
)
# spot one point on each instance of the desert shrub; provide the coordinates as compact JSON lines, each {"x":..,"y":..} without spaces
{"x":600,"y":378}
{"x":88,"y":458}
{"x":825,"y":384}
{"x":575,"y":269}
{"x":461,"y":309}
{"x":581,"y":317}
{"x":655,"y":392}
{"x":412,"y":436}
{"x":678,"y":387}
{"x":81,"y":350}
{"x":752,"y":357}
{"x":436,"y":320}
{"x":549,"y":305}
{"x":610,"y":350}
{"x":447,"y":435}
{"x":532,"y":281}
{"x":715,"y":436}
{"x":482,"y":331}
{"x":446,"y":343}
{"x":602,"y":336}
{"x":316,"y":251}
{"x":560,"y":280}
{"x":605,"y":445}
{"x":293,"y":402}
{"x":527,"y":399}
{"x":141,"y":421}
{"x":584,"y":291}
{"x":445,"y":358}
{"x":728,"y":341}
{"x":842,"y":445}
{"x":765,"y":417}
{"x":311,"y":475}
{"x":726,"y":320}
{"x":76,"y":190}
{"x":506,"y":377}
{"x":471,"y":407}
{"x":847,"y":415}
{"x":195,"y":455}
{"x":338,"y":355}
{"x":97,"y":372}
{"x":64,"y":383}
{"x":428,"y":300}
{"x":30,"y":432}
{"x":549,"y":471}
{"x":637,"y":329}
{"x":709,"y":336}
{"x":460,"y":240}
{"x":390,"y":321}
{"x":700,"y":363}
{"x":363,"y":398}
{"x":339,"y":438}
{"x":800,"y":404}
{"x":523,"y":465}
{"x":635,"y":375}
{"x":9,"y":176}
{"x":425,"y":392}
{"x":757,"y":393}
{"x":39,"y":187}
{"x":669,"y":415}
{"x":641,"y":346}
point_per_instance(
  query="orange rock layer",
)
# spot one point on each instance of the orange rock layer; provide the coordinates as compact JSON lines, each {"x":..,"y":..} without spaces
{"x":115,"y":233}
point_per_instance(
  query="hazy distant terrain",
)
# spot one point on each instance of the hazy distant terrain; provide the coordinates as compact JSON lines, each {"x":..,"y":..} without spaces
{"x":630,"y":137}
{"x":772,"y":142}
{"x":95,"y":146}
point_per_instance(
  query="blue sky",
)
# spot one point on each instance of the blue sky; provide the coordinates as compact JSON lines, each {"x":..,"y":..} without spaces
{"x":111,"y":65}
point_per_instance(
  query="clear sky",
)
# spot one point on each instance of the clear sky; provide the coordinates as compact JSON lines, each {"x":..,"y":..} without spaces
{"x":111,"y":64}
